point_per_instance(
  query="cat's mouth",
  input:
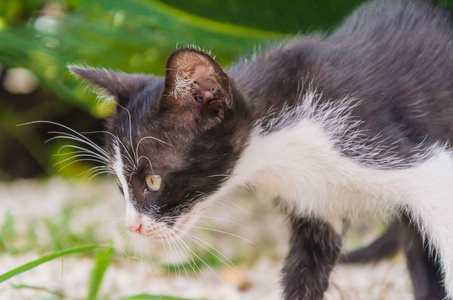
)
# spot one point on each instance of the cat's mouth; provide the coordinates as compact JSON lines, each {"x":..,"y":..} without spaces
{"x":181,"y":226}
{"x":149,"y":227}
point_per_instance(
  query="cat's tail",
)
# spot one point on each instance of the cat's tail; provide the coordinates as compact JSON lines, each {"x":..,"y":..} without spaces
{"x":386,"y":246}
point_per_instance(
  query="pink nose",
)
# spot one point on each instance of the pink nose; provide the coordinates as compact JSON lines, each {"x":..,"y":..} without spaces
{"x":136,"y":227}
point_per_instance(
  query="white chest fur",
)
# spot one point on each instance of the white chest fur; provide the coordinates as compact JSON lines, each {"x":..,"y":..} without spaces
{"x":301,"y":168}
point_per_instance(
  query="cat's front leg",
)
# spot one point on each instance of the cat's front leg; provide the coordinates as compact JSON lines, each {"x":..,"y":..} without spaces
{"x":313,"y":252}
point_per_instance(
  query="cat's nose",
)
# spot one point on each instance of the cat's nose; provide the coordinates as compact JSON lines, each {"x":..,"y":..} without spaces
{"x":135,"y":227}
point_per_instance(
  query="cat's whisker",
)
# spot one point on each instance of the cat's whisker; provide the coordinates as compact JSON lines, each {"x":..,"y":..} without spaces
{"x":166,"y":254}
{"x":230,"y":264}
{"x":84,"y":155}
{"x":119,"y":143}
{"x":105,"y":159}
{"x":93,"y":172}
{"x":82,"y":150}
{"x":130,"y":129}
{"x":199,"y":244}
{"x":179,"y":257}
{"x":206,"y":217}
{"x":151,"y":261}
{"x":227,"y":233}
{"x":182,"y":258}
{"x":69,"y":136}
{"x":153,"y":138}
{"x":150,"y":164}
{"x":97,"y":174}
{"x":186,"y":256}
{"x":174,"y":254}
{"x":190,"y":258}
{"x":58,"y":154}
{"x":227,"y":205}
{"x":76,"y":161}
{"x":191,"y":254}
{"x":93,"y":169}
{"x":80,"y":138}
{"x":232,"y":204}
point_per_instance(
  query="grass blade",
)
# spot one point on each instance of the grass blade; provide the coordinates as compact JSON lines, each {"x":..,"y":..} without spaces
{"x":39,"y":288}
{"x":102,"y":261}
{"x":37,"y":262}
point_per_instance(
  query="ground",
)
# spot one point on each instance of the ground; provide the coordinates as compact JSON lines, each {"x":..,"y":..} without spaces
{"x":39,"y":217}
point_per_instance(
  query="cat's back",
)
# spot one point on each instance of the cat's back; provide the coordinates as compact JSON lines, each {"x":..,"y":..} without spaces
{"x":396,"y":56}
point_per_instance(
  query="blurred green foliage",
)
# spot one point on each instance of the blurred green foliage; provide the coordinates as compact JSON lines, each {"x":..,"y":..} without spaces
{"x":45,"y":36}
{"x":46,"y":234}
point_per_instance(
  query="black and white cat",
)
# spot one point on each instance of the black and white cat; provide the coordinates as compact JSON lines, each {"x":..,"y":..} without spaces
{"x":328,"y":127}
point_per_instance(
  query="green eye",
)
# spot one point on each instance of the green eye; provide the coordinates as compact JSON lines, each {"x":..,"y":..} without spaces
{"x":153,"y":182}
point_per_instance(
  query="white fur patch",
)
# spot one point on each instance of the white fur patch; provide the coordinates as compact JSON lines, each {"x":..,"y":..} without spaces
{"x":300,"y":166}
{"x":131,"y":214}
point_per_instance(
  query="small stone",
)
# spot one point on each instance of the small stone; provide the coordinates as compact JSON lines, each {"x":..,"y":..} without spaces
{"x":235,"y":277}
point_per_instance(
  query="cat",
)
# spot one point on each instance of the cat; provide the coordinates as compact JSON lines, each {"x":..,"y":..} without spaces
{"x":358,"y":122}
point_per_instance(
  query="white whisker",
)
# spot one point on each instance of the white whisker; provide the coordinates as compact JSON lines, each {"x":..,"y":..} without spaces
{"x":150,"y":137}
{"x":191,"y":254}
{"x":150,"y":164}
{"x":194,"y":239}
{"x":227,"y":233}
{"x":130,"y":129}
{"x":87,"y":156}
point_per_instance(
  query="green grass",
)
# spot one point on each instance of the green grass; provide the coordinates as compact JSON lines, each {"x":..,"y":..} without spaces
{"x":57,"y":236}
{"x":47,"y":234}
{"x":44,"y":259}
{"x":50,"y":294}
{"x":7,"y":232}
{"x":102,"y":261}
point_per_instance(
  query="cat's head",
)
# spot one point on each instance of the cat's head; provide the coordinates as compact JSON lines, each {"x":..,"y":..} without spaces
{"x":172,"y":141}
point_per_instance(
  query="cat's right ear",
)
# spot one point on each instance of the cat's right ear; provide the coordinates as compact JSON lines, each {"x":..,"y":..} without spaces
{"x":120,"y":86}
{"x":196,"y":88}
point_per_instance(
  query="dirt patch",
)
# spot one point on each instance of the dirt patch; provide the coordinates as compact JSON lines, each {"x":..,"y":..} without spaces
{"x":250,"y":234}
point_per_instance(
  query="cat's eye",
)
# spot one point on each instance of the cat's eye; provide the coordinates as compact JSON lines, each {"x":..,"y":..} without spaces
{"x":153,"y":182}
{"x":119,"y":183}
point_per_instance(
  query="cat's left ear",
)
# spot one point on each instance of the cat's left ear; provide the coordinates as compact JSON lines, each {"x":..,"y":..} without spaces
{"x":121,"y":86}
{"x":196,"y":84}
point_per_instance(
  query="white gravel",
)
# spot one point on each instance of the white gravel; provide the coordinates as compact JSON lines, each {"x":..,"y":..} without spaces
{"x":100,"y":202}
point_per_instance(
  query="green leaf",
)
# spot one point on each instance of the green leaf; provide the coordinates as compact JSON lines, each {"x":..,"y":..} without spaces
{"x":39,"y":288}
{"x":102,"y":261}
{"x":35,"y":263}
{"x":151,"y":297}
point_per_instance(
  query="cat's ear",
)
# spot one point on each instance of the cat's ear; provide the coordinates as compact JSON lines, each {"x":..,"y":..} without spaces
{"x":195,"y":83}
{"x":121,"y":86}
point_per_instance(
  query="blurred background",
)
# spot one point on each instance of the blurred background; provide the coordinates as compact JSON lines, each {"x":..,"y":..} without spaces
{"x":38,"y":39}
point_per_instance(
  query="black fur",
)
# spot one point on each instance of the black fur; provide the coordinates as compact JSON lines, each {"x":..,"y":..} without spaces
{"x":314,"y":249}
{"x":393,"y":58}
{"x":423,"y":266}
{"x":424,"y":269}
